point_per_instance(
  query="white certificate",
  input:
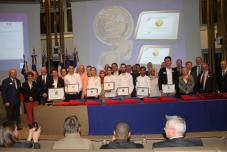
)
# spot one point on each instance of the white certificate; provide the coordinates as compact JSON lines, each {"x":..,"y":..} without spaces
{"x":109,"y":86}
{"x":92,"y":92}
{"x":168,"y":88}
{"x":123,"y":91}
{"x":72,"y":88}
{"x":142,"y":91}
{"x":56,"y":94}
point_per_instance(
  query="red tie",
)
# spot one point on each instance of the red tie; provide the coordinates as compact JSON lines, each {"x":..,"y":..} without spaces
{"x":203,"y":78}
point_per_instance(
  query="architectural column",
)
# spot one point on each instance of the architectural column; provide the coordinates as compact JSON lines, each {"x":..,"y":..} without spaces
{"x":48,"y":32}
{"x":61,"y":24}
{"x":211,"y":34}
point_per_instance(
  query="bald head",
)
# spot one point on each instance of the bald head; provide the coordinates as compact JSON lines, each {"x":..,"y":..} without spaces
{"x":122,"y":130}
{"x":12,"y":73}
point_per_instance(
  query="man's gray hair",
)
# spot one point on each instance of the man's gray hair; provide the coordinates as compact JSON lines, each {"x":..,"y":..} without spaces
{"x":177,"y":123}
{"x":71,"y":125}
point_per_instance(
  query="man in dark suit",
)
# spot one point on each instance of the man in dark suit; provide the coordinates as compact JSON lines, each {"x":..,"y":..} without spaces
{"x":168,"y":75}
{"x":175,"y":129}
{"x":206,"y":81}
{"x":42,"y":82}
{"x":192,"y":73}
{"x":121,"y":138}
{"x":198,"y":67}
{"x":11,"y":96}
{"x":222,"y":77}
{"x":179,"y":66}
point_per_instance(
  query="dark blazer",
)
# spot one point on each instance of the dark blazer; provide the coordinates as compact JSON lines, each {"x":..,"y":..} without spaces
{"x":210,"y":86}
{"x":10,"y":93}
{"x":178,"y":70}
{"x":60,"y":84}
{"x":121,"y":144}
{"x":162,"y":78}
{"x":179,"y":142}
{"x":43,"y":87}
{"x":30,"y":92}
{"x":222,"y":82}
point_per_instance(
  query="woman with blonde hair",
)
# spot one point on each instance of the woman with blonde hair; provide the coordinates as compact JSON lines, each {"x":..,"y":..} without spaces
{"x":94,"y":83}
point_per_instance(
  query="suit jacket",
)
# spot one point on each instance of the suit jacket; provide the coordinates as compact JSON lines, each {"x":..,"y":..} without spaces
{"x":43,"y":87}
{"x":178,"y":70}
{"x":162,"y":78}
{"x":30,"y":92}
{"x":186,"y":88}
{"x":121,"y":144}
{"x":222,"y":82}
{"x":194,"y":68}
{"x":9,"y":91}
{"x":179,"y":142}
{"x":60,"y":84}
{"x":210,"y":85}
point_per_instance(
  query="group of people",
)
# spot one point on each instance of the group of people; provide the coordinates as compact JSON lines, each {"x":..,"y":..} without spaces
{"x":127,"y":81}
{"x":175,"y":130}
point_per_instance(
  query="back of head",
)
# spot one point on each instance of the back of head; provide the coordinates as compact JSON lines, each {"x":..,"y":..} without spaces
{"x":71,"y":125}
{"x":6,"y":133}
{"x":122,"y":130}
{"x":176,"y":123}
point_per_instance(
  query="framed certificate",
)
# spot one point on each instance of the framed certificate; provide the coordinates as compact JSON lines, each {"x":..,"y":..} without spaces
{"x":56,"y":94}
{"x":92,"y":92}
{"x":109,"y":86}
{"x":142,"y":91}
{"x":123,"y":91}
{"x":72,"y":88}
{"x":168,"y":88}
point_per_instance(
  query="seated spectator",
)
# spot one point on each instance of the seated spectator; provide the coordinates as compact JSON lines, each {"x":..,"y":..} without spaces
{"x":72,"y":138}
{"x":175,"y":130}
{"x":9,"y":136}
{"x":186,"y":83}
{"x":121,"y":138}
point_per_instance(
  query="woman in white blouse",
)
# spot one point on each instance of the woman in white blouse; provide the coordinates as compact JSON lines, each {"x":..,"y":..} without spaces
{"x":110,"y":78}
{"x":154,"y":83}
{"x":94,"y":82}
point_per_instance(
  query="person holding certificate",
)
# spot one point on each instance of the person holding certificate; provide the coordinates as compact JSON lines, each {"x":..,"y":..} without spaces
{"x":168,"y":79}
{"x":110,"y":84}
{"x":55,"y":80}
{"x":30,"y":91}
{"x":73,"y":84}
{"x":94,"y":85}
{"x":143,"y":84}
{"x":124,"y":82}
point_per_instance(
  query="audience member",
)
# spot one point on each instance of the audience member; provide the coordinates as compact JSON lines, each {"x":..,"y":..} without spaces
{"x":30,"y":91}
{"x":72,"y":78}
{"x":222,"y":77}
{"x":143,"y":81}
{"x":206,"y":80}
{"x":42,"y":84}
{"x":168,"y":75}
{"x":175,"y":129}
{"x":121,"y":138}
{"x":9,"y":136}
{"x":198,"y":67}
{"x":10,"y":95}
{"x":186,"y":83}
{"x":110,"y":78}
{"x":72,"y":139}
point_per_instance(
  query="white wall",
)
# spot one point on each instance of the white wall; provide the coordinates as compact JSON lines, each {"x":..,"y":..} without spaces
{"x":33,"y":13}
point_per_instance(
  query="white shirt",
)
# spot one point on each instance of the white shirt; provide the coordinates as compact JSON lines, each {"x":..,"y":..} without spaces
{"x":169,"y":76}
{"x":154,"y":87}
{"x":94,"y":82}
{"x":73,"y":79}
{"x":111,"y":78}
{"x":116,"y":73}
{"x":44,"y":78}
{"x":55,"y":84}
{"x":125,"y":80}
{"x":143,"y":81}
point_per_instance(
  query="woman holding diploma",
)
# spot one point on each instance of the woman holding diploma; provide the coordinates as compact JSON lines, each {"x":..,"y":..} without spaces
{"x":110,"y":78}
{"x":94,"y":84}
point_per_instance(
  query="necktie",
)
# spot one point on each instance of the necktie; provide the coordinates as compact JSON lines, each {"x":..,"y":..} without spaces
{"x":198,"y":70}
